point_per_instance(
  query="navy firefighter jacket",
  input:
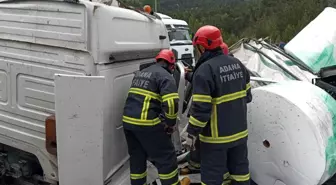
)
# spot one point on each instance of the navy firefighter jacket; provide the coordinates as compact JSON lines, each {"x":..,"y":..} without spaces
{"x":221,"y":91}
{"x":151,"y":99}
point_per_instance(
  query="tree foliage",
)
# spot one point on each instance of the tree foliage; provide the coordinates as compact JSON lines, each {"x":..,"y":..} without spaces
{"x":280,"y":20}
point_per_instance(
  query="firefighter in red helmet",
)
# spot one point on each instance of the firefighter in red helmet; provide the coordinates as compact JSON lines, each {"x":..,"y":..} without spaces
{"x":194,"y":156}
{"x":149,"y":113}
{"x":221,"y":91}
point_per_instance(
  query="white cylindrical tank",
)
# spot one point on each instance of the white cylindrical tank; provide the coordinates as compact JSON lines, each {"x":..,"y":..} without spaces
{"x":291,"y":134}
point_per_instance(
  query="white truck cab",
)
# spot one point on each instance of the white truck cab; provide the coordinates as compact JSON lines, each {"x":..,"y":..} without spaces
{"x":65,"y":70}
{"x":179,"y":37}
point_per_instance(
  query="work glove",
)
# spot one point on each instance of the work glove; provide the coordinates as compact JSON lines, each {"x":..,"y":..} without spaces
{"x":190,"y":142}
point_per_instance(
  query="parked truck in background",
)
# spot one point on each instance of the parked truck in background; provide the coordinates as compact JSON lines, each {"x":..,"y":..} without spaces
{"x":180,"y":38}
{"x":65,"y":70}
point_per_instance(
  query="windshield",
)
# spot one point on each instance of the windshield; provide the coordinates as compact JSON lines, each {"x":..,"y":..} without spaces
{"x":179,"y":35}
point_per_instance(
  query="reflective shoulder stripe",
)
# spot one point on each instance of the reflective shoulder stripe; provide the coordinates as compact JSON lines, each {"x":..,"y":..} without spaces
{"x":145,"y":93}
{"x":196,"y":122}
{"x":138,"y":176}
{"x":248,"y":86}
{"x":225,"y":139}
{"x":174,"y":116}
{"x":169,"y":175}
{"x":241,"y":178}
{"x":201,"y":98}
{"x":170,"y":96}
{"x":140,"y":122}
{"x":229,"y":97}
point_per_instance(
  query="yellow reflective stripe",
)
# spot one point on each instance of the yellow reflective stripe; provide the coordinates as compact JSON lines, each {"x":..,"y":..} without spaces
{"x":203,"y":183}
{"x":145,"y":107}
{"x":140,"y":122}
{"x":169,"y":175}
{"x":171,"y":107}
{"x":248,"y":86}
{"x":196,"y":122}
{"x":144,"y":92}
{"x":177,"y":182}
{"x":226,"y":175}
{"x":201,"y":98}
{"x":170,"y":96}
{"x":171,"y":110}
{"x":174,"y":116}
{"x":229,"y":97}
{"x":241,"y":178}
{"x":213,"y":122}
{"x":138,"y":176}
{"x":225,"y":139}
{"x":226,"y":182}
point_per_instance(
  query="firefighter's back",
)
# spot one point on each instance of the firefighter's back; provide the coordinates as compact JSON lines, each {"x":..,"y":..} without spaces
{"x":143,"y":105}
{"x":228,"y":120}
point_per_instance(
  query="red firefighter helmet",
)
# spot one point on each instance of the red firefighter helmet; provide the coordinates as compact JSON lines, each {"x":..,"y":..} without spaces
{"x":209,"y":37}
{"x":166,"y":55}
{"x":225,"y":48}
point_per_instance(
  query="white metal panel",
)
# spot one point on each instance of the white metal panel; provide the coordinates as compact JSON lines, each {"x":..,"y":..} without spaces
{"x":27,"y":93}
{"x":122,"y":31}
{"x":45,"y":22}
{"x":118,"y":81}
{"x":79,"y":125}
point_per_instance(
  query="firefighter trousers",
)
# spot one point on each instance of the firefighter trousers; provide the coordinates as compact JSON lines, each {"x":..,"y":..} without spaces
{"x":221,"y":164}
{"x":195,"y":156}
{"x":156,"y":146}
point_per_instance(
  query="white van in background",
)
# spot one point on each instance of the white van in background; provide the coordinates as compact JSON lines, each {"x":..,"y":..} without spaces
{"x":180,"y":39}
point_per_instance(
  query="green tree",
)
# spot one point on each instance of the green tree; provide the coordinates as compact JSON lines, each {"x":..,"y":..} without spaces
{"x":280,"y":20}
